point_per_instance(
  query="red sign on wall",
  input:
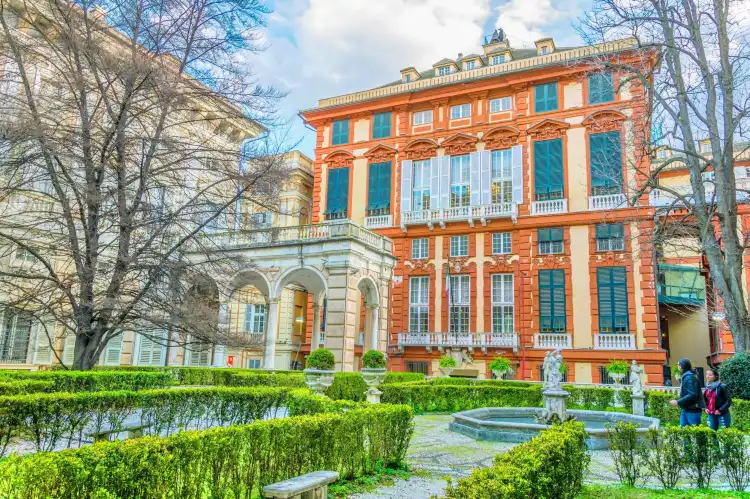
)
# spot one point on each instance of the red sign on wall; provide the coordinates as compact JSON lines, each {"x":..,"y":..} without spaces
{"x":230,"y":360}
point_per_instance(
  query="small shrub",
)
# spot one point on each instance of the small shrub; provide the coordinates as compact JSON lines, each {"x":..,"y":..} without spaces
{"x":403,"y":377}
{"x":23,"y":387}
{"x":563,"y":368}
{"x":735,"y":372}
{"x":735,"y":457}
{"x":500,"y":364}
{"x":623,"y":445}
{"x":321,"y":359}
{"x":447,"y":362}
{"x":373,"y":360}
{"x":701,"y":454}
{"x":618,"y":367}
{"x":347,"y":386}
{"x":662,"y":454}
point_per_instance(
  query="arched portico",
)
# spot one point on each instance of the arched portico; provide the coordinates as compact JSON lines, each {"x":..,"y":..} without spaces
{"x":373,"y":327}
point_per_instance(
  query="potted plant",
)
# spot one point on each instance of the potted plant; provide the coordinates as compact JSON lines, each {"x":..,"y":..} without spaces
{"x":373,"y":372}
{"x":447,"y":364}
{"x":499,"y":366}
{"x":617,"y":370}
{"x":676,"y":373}
{"x":319,"y":370}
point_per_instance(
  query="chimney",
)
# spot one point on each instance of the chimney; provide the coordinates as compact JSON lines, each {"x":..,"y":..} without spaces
{"x":460,"y":55}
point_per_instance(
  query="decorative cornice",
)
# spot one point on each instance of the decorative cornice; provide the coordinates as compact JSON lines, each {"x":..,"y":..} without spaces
{"x":550,"y":260}
{"x":606,"y":120}
{"x":339,"y":159}
{"x":460,"y":263}
{"x":460,"y":143}
{"x":501,"y":137}
{"x":420,"y":264}
{"x":501,"y":260}
{"x":548,"y":129}
{"x":610,"y":257}
{"x":381,"y":154}
{"x":420,"y":149}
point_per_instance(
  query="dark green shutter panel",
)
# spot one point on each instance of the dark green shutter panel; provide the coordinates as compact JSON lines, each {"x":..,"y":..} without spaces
{"x":540,"y":98}
{"x":612,"y":288}
{"x":602,"y":231}
{"x":556,"y":177}
{"x":337,"y":197}
{"x":556,"y":234}
{"x":340,"y":132}
{"x":605,"y":150}
{"x":594,"y":89}
{"x":541,"y":167}
{"x":552,"y":299}
{"x":344,"y":190}
{"x":551,"y":96}
{"x":385,"y":185}
{"x":373,"y":190}
{"x":381,"y":125}
{"x":601,"y":88}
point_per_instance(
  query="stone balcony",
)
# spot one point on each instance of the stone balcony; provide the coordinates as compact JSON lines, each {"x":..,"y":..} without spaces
{"x":468,"y":340}
{"x":614,"y":341}
{"x":379,"y":221}
{"x":549,"y":207}
{"x":551,"y":341}
{"x":608,"y":202}
{"x":470,"y":214}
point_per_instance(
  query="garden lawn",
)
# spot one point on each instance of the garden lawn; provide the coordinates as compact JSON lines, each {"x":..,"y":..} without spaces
{"x":615,"y":492}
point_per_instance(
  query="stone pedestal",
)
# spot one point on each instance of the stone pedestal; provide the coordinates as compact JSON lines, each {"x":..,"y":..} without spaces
{"x":555,"y":404}
{"x":639,"y":405}
{"x":373,"y":395}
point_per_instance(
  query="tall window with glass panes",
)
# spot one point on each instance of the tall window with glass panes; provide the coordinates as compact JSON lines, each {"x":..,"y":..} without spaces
{"x":502,"y":176}
{"x":458,"y":318}
{"x":419,"y":305}
{"x":502,"y":303}
{"x":460,"y":181}
{"x":421,"y":189}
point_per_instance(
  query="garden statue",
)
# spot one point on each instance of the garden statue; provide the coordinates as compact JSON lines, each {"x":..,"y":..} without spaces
{"x":635,"y":378}
{"x":555,"y":376}
{"x":546,"y":368}
{"x":553,"y":396}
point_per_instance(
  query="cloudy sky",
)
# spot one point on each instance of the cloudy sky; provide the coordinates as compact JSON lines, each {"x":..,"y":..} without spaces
{"x":324,"y":48}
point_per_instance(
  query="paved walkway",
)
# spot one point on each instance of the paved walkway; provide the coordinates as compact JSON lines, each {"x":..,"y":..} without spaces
{"x":435,"y":452}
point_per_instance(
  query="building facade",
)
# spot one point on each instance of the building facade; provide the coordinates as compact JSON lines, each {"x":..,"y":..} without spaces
{"x":507,"y":182}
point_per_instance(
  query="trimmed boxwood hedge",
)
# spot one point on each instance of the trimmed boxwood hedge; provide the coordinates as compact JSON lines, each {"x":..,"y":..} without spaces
{"x":550,"y":465}
{"x":91,"y":381}
{"x":450,"y":398}
{"x":25,"y":386}
{"x":223,"y":462}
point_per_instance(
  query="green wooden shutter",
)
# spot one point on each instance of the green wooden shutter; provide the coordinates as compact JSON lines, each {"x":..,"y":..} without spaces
{"x":337,"y":197}
{"x":556,"y":177}
{"x":605,"y":150}
{"x":340,"y":132}
{"x":545,"y":97}
{"x":373,"y":187}
{"x":541,"y":167}
{"x":612,"y":289}
{"x":343,"y":197}
{"x":552,"y":300}
{"x":385,"y":185}
{"x":601,"y":88}
{"x":381,"y":125}
{"x":551,"y":96}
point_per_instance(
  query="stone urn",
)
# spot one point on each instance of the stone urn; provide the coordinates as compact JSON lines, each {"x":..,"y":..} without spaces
{"x":319,"y":380}
{"x":373,"y":377}
{"x":499,"y":373}
{"x":446,"y":371}
{"x":618,"y":377}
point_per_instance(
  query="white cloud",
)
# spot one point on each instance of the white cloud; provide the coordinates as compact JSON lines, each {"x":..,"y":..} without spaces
{"x":525,"y":21}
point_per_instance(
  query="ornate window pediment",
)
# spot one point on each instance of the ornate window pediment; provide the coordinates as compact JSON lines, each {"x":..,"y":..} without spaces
{"x":606,"y":120}
{"x":420,"y":149}
{"x":501,"y":137}
{"x":548,"y":129}
{"x":460,"y":143}
{"x":339,"y":159}
{"x":380,"y":154}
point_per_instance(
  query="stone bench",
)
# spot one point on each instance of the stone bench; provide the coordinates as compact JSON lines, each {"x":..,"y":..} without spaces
{"x":134,"y":431}
{"x":311,"y":486}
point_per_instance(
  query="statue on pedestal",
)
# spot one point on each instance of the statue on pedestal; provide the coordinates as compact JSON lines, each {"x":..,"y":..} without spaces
{"x":555,"y":376}
{"x":635,"y":378}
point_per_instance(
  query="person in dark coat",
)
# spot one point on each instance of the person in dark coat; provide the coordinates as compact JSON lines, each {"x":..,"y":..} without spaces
{"x":718,"y":401}
{"x":691,"y":402}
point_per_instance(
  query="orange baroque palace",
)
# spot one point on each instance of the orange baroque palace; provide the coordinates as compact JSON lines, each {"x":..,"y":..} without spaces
{"x":507,"y":183}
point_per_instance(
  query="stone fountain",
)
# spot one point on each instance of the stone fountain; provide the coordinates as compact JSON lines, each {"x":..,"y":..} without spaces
{"x":554,"y":397}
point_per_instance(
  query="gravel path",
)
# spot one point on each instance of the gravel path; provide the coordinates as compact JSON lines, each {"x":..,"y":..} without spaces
{"x":435,"y":452}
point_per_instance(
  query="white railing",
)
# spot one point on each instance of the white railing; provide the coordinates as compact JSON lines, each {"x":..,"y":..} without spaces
{"x":378,"y":221}
{"x":553,"y":340}
{"x":280,"y":236}
{"x":608,"y":202}
{"x":558,"y":57}
{"x":658,"y":197}
{"x":549,"y":207}
{"x":614,"y":341}
{"x":480,"y":212}
{"x":496,"y":340}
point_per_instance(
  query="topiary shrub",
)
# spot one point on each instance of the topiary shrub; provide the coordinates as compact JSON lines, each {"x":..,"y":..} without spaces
{"x":735,"y":372}
{"x":373,"y":360}
{"x":618,"y":367}
{"x":500,"y":364}
{"x":321,"y":359}
{"x":447,"y":362}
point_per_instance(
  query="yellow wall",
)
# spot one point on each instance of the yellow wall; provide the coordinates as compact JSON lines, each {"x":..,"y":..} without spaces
{"x":323,"y":189}
{"x":359,"y":191}
{"x":688,"y":334}
{"x":579,"y":247}
{"x":577,"y":170}
{"x":639,"y":324}
{"x":583,"y":372}
{"x":573,"y":95}
{"x":326,"y":136}
{"x":361,"y":131}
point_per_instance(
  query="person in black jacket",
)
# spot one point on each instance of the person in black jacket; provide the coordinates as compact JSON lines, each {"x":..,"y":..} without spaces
{"x":691,"y":402}
{"x":718,"y":401}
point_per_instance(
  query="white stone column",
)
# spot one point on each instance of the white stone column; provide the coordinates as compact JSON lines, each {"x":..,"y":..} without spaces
{"x":315,"y":327}
{"x":375,"y":325}
{"x":271,"y":333}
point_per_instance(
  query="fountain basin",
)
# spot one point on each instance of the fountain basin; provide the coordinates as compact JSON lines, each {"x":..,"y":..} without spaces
{"x":517,"y":424}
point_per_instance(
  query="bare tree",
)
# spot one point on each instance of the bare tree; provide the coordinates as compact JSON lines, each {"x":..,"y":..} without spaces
{"x":129,"y":131}
{"x":694,"y":65}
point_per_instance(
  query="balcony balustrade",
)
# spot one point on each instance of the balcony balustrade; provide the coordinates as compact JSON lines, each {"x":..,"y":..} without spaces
{"x":608,"y":202}
{"x":614,"y":341}
{"x":480,"y":340}
{"x":459,"y":213}
{"x":378,"y":221}
{"x":548,"y":341}
{"x":549,"y":207}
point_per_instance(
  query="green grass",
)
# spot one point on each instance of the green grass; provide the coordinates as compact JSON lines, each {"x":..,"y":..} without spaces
{"x":615,"y":492}
{"x":381,"y":477}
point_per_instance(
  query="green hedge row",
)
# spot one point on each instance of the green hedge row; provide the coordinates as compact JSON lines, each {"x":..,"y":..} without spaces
{"x":658,"y":406}
{"x":92,"y":381}
{"x":53,"y":419}
{"x":451,"y":398}
{"x":291,"y":379}
{"x":224,"y":462}
{"x":550,"y":465}
{"x":25,"y":386}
